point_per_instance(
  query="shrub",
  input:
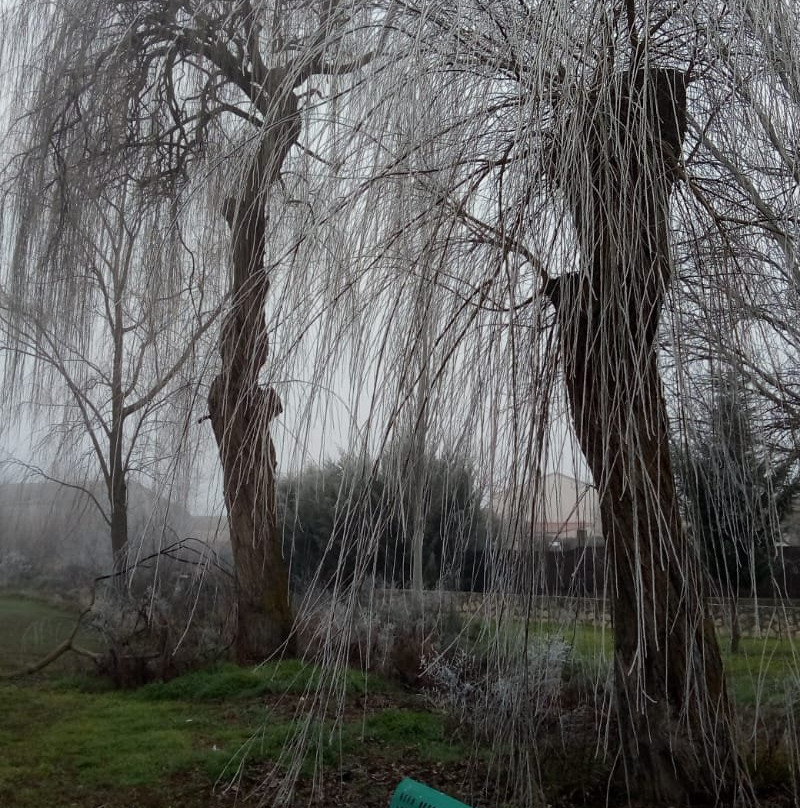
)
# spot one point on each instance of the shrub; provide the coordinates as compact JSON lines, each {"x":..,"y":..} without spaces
{"x":161,"y":631}
{"x":393,"y":637}
{"x":15,"y":569}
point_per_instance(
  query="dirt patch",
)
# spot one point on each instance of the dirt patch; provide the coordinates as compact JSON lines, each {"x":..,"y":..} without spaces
{"x":370,"y":783}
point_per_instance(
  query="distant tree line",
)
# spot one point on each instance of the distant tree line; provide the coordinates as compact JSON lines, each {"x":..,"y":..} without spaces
{"x":326,"y":512}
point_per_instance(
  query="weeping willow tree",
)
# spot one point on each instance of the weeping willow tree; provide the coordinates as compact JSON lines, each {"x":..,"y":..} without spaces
{"x":596,"y":175}
{"x":569,"y":170}
{"x":201,"y":103}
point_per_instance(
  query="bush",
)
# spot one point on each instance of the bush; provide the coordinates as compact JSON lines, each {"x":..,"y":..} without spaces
{"x":528,"y":703}
{"x":159,"y":631}
{"x":486,"y":696}
{"x":15,"y":569}
{"x":392,"y":637}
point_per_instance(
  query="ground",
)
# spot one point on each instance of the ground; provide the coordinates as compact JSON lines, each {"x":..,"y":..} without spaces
{"x":217,"y":737}
{"x":68,"y":740}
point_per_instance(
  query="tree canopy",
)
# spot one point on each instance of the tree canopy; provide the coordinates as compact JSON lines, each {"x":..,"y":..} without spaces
{"x":490,"y":221}
{"x":324,"y":510}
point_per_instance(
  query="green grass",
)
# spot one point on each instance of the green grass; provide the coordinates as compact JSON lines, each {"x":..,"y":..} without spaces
{"x":227,"y":681}
{"x":420,"y":732}
{"x":65,"y":746}
{"x":31,"y":628}
{"x":68,"y":740}
{"x":106,"y":739}
{"x":765,"y":672}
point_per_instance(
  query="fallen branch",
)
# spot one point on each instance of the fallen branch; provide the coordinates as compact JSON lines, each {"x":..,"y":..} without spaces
{"x":67,"y":645}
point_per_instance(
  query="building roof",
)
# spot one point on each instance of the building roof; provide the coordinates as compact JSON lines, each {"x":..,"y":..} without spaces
{"x":562,"y":508}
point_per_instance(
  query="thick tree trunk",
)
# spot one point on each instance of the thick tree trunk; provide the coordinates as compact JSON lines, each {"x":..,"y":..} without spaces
{"x":671,"y":701}
{"x":241,"y":410}
{"x":241,"y":426}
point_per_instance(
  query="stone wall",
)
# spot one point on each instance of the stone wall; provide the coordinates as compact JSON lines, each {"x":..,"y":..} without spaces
{"x":757,"y":618}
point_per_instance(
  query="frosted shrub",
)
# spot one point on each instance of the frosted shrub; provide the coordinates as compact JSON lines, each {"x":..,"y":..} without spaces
{"x":153,"y":635}
{"x":546,"y":657}
{"x":15,"y":568}
{"x":390,"y":638}
{"x":449,"y":684}
{"x":486,"y":695}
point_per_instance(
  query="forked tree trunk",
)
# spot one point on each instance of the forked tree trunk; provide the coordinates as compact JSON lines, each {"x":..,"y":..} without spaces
{"x":241,"y":410}
{"x":671,"y":701}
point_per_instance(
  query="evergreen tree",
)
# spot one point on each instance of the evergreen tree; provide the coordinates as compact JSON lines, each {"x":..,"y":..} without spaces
{"x":734,"y":497}
{"x":325,"y":512}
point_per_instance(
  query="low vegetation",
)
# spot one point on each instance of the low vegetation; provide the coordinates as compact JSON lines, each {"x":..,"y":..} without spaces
{"x":30,"y":628}
{"x":212,"y":735}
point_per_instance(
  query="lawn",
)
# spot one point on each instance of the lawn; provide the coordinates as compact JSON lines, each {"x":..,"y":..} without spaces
{"x":765,"y":671}
{"x":170,"y":745}
{"x":207,"y":737}
{"x":199,"y":739}
{"x":30,"y":628}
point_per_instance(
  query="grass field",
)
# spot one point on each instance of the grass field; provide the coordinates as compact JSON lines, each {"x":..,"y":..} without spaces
{"x":30,"y":628}
{"x":67,"y":740}
{"x":63,"y":746}
{"x":765,"y":672}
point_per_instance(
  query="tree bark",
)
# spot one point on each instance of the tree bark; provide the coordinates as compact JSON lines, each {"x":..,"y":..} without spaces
{"x":117,"y":477}
{"x":240,"y":420}
{"x":241,"y":410}
{"x":119,"y":524}
{"x":671,"y":702}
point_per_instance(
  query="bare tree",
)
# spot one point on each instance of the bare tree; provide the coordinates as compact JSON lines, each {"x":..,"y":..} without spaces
{"x":115,"y":381}
{"x":192,"y":99}
{"x":577,"y":161}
